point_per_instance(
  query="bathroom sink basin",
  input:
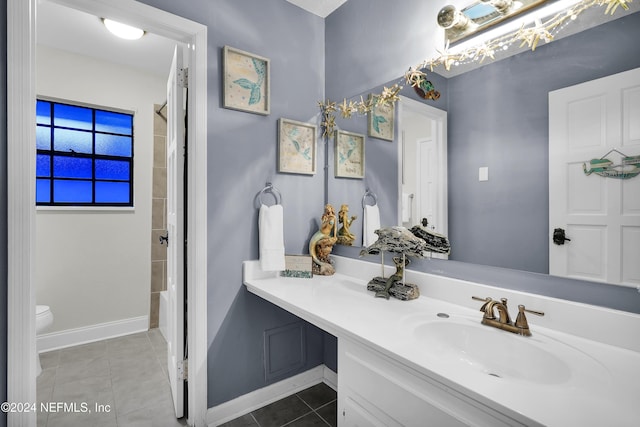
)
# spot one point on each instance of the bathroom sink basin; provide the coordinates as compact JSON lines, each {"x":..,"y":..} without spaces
{"x":496,"y":353}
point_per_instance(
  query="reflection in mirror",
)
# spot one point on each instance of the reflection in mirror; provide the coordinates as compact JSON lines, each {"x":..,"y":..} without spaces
{"x":497,"y":146}
{"x":423,"y":166}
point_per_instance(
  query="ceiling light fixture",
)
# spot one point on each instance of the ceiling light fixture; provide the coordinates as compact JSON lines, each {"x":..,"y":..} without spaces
{"x":123,"y":31}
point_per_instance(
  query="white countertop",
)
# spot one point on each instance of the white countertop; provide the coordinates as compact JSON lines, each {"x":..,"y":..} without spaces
{"x":606,"y":391}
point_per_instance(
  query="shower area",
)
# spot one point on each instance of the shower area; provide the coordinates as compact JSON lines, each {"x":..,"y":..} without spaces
{"x":157,"y":311}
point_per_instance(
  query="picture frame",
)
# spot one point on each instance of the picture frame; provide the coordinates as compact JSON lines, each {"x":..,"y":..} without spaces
{"x":349,"y":155}
{"x":246,"y":81}
{"x":381,"y":120}
{"x":297,"y":142}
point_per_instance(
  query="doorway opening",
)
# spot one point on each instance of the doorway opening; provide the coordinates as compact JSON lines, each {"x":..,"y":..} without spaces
{"x":21,"y":43}
{"x":422,"y":180}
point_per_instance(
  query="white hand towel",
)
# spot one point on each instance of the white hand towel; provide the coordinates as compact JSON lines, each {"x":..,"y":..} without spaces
{"x":371,"y":223}
{"x":271,"y":235}
{"x":406,"y":207}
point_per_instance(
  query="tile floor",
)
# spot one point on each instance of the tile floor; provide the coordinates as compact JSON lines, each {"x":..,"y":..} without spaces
{"x":126,"y":376}
{"x":315,"y":406}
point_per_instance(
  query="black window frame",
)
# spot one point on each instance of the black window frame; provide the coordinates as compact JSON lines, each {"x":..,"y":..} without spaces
{"x":52,"y":153}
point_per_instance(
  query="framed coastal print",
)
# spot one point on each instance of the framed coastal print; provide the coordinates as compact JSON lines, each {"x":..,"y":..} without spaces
{"x":296,"y":147}
{"x":349,"y":155}
{"x":245,"y":85}
{"x":381,"y":120}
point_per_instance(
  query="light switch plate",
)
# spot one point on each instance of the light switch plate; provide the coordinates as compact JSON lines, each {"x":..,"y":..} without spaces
{"x":483,"y":173}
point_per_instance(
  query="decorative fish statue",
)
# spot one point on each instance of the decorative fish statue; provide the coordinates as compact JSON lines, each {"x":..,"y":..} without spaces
{"x":629,"y":167}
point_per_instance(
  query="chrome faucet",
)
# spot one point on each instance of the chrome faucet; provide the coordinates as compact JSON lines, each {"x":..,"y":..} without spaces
{"x":520,"y":326}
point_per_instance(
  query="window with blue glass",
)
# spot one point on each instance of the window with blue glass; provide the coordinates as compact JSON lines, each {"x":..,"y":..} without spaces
{"x":84,"y":156}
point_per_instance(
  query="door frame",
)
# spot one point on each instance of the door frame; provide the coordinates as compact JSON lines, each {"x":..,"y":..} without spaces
{"x":21,"y":95}
{"x":439,"y":136}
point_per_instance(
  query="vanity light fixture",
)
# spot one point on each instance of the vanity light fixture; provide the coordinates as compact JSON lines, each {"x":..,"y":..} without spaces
{"x":450,"y":17}
{"x":480,"y":15}
{"x":123,"y":31}
{"x":529,"y":30}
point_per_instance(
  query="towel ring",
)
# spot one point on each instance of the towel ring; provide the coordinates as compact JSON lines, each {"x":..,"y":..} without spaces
{"x":369,"y":194}
{"x":269,"y":188}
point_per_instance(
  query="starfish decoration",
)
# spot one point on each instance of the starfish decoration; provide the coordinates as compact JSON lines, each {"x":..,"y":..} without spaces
{"x":415,"y":77}
{"x":612,"y":5}
{"x":389,"y":95}
{"x":365,"y":107}
{"x":328,"y":106}
{"x":329,"y":123}
{"x":532,"y":36}
{"x":447,"y":59}
{"x":483,"y":52}
{"x":347,"y":109}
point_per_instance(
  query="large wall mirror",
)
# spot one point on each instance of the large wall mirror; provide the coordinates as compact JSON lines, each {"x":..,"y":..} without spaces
{"x":497,"y":146}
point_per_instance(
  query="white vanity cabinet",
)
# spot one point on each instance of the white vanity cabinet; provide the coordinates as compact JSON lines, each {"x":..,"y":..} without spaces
{"x":430,"y":361}
{"x":375,"y":390}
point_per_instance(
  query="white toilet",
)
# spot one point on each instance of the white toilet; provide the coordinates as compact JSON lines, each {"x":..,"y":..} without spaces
{"x":44,"y":319}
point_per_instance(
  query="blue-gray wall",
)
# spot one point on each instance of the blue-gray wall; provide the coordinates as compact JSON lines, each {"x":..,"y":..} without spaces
{"x":3,"y":211}
{"x":502,"y":222}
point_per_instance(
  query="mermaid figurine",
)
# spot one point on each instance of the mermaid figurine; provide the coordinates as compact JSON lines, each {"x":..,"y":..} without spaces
{"x":322,"y":242}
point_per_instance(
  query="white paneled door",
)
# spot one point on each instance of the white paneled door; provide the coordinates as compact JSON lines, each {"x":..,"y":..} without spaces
{"x":601,"y":215}
{"x":175,"y":231}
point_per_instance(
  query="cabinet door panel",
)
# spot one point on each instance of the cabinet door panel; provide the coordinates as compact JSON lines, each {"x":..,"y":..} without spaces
{"x":372,"y":385}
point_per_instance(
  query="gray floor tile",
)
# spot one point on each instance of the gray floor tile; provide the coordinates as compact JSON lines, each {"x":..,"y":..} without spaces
{"x":318,"y":395}
{"x":125,"y":375}
{"x":133,"y":340}
{"x":131,"y":351}
{"x":153,"y":416}
{"x":126,"y":371}
{"x":81,"y":390}
{"x":281,"y":412}
{"x":46,"y":378}
{"x":82,"y":420}
{"x":82,"y":370}
{"x":130,"y":397}
{"x":157,"y":340}
{"x":309,"y":420}
{"x":329,"y":413}
{"x":83,"y":353}
{"x":243,"y":421}
{"x":50,"y":359}
{"x":41,"y":419}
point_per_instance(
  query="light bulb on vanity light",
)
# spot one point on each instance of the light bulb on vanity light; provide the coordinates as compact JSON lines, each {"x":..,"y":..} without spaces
{"x":450,"y":17}
{"x":123,"y":31}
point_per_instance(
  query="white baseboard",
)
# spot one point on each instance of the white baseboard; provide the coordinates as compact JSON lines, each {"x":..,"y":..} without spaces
{"x":87,"y":334}
{"x":257,"y":399}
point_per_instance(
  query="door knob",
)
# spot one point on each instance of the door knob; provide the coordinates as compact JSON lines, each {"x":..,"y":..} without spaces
{"x":559,"y":237}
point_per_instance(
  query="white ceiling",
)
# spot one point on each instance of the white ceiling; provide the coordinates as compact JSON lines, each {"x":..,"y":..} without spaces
{"x":322,"y":8}
{"x":68,"y":29}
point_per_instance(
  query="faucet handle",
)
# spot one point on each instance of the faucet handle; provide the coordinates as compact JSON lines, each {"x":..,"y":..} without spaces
{"x":487,"y":307}
{"x":521,"y":319}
